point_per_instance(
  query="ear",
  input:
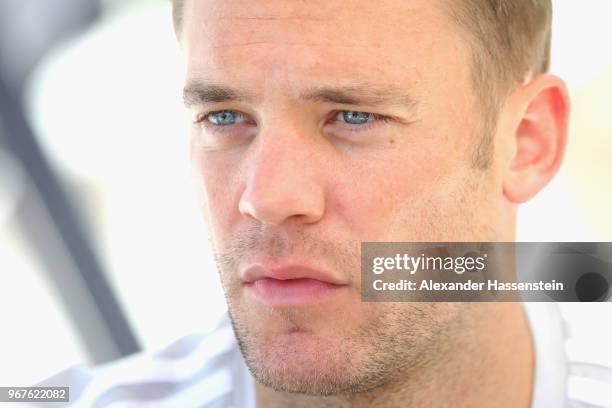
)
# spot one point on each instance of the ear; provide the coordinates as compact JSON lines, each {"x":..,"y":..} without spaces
{"x":539,"y":136}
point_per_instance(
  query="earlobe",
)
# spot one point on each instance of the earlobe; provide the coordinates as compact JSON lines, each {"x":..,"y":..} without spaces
{"x":539,"y":139}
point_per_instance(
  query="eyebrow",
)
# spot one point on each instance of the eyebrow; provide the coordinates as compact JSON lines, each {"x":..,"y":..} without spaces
{"x":199,"y":93}
{"x":360,"y":95}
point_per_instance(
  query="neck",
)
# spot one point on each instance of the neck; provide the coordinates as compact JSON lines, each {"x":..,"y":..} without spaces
{"x":490,"y":363}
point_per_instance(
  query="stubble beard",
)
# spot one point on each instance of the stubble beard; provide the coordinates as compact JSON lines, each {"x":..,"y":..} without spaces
{"x":391,"y":342}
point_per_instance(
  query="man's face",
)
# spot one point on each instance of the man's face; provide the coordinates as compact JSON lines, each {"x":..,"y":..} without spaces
{"x":337,"y":122}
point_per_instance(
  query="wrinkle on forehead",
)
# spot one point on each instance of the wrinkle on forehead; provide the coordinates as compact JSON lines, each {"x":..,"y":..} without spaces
{"x":273,"y":9}
{"x":273,"y":18}
{"x":308,"y":22}
{"x":293,"y":44}
{"x":221,"y":41}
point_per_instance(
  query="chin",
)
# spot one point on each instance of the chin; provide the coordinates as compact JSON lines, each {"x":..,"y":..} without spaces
{"x":305,"y":363}
{"x":301,"y":373}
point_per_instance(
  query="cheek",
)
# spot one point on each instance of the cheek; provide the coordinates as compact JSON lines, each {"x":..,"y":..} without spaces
{"x":423,"y":192}
{"x":215,"y":176}
{"x":395,"y":195}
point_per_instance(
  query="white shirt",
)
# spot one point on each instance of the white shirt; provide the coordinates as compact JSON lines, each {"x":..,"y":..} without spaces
{"x":208,"y":371}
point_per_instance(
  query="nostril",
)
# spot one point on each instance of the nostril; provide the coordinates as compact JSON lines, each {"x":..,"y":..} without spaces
{"x":276,"y":204}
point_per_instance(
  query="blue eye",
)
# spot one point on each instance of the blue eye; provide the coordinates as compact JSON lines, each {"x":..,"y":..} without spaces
{"x":355,"y":118}
{"x":225,"y":118}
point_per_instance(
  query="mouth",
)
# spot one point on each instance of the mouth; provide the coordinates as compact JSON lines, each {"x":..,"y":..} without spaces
{"x":291,"y":286}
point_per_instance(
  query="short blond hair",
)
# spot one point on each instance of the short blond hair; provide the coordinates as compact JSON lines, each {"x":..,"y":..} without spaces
{"x":509,"y":39}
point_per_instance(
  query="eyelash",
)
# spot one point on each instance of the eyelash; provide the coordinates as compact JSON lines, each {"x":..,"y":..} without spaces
{"x":201,"y":120}
{"x":376,"y":118}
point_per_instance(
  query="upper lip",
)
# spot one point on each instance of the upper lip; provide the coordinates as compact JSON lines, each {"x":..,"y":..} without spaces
{"x":259,"y":271}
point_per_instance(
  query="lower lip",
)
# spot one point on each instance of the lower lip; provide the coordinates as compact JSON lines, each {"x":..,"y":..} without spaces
{"x":292,"y":292}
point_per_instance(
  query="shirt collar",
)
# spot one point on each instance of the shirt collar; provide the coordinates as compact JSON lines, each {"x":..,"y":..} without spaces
{"x":550,"y":371}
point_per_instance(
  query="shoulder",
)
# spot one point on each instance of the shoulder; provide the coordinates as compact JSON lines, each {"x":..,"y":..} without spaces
{"x":201,"y":369}
{"x":588,"y":348}
{"x":573,"y":350}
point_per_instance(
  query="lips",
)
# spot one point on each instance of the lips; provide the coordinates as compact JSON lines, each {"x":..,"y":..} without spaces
{"x":291,"y":285}
{"x":286,"y":272}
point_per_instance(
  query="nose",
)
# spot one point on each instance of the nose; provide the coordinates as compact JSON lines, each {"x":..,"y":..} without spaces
{"x":283,"y":182}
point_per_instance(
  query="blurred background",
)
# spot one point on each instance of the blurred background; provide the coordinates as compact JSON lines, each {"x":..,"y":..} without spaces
{"x":102,"y":249}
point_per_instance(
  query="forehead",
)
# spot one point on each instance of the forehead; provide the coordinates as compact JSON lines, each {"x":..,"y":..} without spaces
{"x":297,"y":42}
